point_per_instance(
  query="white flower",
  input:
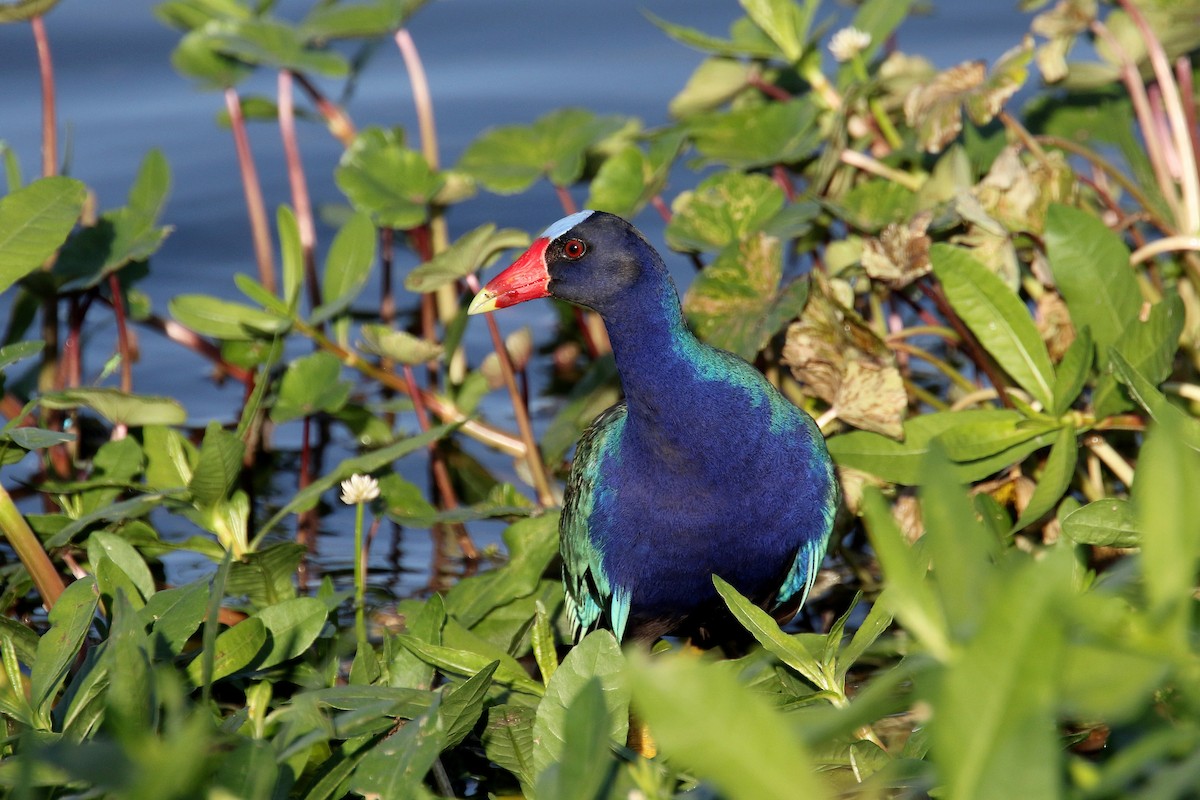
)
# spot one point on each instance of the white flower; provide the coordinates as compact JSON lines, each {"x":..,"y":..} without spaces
{"x":847,"y":43}
{"x":359,"y":489}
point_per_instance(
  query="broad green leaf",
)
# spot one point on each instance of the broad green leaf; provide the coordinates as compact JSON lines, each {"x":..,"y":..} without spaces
{"x":988,"y":437}
{"x":132,"y":508}
{"x":1155,"y":402}
{"x":1111,"y":522}
{"x":908,"y":594}
{"x":471,"y":252}
{"x":1149,"y":346}
{"x":292,"y":626}
{"x":36,"y":438}
{"x":995,"y":734}
{"x":779,"y":133}
{"x":508,"y":160}
{"x":900,"y":462}
{"x":17,"y":351}
{"x":757,"y":755}
{"x":387,"y":180}
{"x":235,"y":649}
{"x":631,"y":178}
{"x":878,"y":620}
{"x":174,"y":615}
{"x":347,"y":267}
{"x":34,"y":222}
{"x":357,"y":20}
{"x":223,"y":319}
{"x":463,"y":704}
{"x":784,"y":21}
{"x":125,"y":556}
{"x":598,"y":657}
{"x":266,"y":576}
{"x":23,"y":10}
{"x":997,"y":317}
{"x":872,"y":205}
{"x":1055,"y":479}
{"x":508,"y":740}
{"x":217,"y":467}
{"x":198,"y":56}
{"x":272,"y":43}
{"x":724,"y":209}
{"x":583,"y":769}
{"x":737,"y":304}
{"x":1090,"y":264}
{"x":1168,"y":513}
{"x":396,"y":766}
{"x":766,"y":631}
{"x":311,"y":384}
{"x":397,"y":345}
{"x":715,"y":82}
{"x":58,"y":647}
{"x":261,"y":295}
{"x":118,"y":407}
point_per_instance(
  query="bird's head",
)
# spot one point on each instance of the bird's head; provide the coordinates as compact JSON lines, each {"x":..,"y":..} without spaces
{"x":590,"y":258}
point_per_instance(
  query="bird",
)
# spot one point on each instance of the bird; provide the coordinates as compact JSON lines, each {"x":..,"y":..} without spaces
{"x":703,"y":469}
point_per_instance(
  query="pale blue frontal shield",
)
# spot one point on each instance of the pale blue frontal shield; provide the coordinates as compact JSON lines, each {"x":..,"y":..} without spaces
{"x":565,"y":224}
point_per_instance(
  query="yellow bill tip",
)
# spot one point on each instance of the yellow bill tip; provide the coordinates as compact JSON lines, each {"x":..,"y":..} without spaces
{"x":484,"y":301}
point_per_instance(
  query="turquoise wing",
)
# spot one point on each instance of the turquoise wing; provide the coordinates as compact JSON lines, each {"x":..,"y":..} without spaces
{"x":588,"y":592}
{"x":803,"y":573}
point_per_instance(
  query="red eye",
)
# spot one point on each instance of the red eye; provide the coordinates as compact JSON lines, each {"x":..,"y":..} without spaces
{"x":574,"y":249}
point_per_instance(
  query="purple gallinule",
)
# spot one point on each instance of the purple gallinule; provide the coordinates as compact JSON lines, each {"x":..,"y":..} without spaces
{"x":704,"y":468}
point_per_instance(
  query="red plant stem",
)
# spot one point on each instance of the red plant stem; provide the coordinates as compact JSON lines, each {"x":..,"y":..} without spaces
{"x":305,"y":522}
{"x":118,"y":307}
{"x":1187,"y":91}
{"x":252,"y":188}
{"x":533,"y":454}
{"x":769,"y":89}
{"x":661,"y":207}
{"x":564,"y":197}
{"x":300,"y":199}
{"x":334,"y":115}
{"x":49,"y":121}
{"x":441,"y":473}
{"x":784,"y":181}
{"x":387,"y":298}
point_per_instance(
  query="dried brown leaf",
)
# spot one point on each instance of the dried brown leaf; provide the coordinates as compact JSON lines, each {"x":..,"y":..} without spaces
{"x":900,"y":254}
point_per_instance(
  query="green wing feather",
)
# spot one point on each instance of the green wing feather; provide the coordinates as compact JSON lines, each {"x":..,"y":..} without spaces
{"x":588,"y":591}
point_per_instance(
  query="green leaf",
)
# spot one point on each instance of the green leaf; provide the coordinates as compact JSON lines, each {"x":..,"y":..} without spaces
{"x":359,"y":20}
{"x":36,"y":438}
{"x":715,"y":82}
{"x":742,"y":43}
{"x":596,"y":658}
{"x":508,"y":740}
{"x":125,"y":556}
{"x":223,"y":319}
{"x":1111,"y":522}
{"x":218,"y":465}
{"x":235,"y":649}
{"x":586,"y":762}
{"x":997,"y":317}
{"x":995,"y":735}
{"x":991,"y":436}
{"x":18,"y":351}
{"x":631,"y":178}
{"x":397,"y":345}
{"x":908,"y":595}
{"x":744,"y":139}
{"x":1155,"y":402}
{"x":465,"y":663}
{"x":392,"y":183}
{"x":23,"y":10}
{"x":1168,"y":513}
{"x":291,"y":254}
{"x":58,"y":647}
{"x":471,"y":252}
{"x":784,"y":21}
{"x":463,"y":705}
{"x":347,"y":267}
{"x":34,"y":222}
{"x":271,"y":43}
{"x":757,"y":754}
{"x":397,"y":765}
{"x":118,"y":407}
{"x":872,"y":205}
{"x":508,"y":160}
{"x":1072,"y":372}
{"x":1090,"y":264}
{"x":737,"y":304}
{"x":198,"y":56}
{"x":292,"y":626}
{"x":1149,"y":346}
{"x":725,"y":208}
{"x":766,"y":631}
{"x":311,"y":384}
{"x":1055,"y":479}
{"x":900,"y":462}
{"x":175,"y":614}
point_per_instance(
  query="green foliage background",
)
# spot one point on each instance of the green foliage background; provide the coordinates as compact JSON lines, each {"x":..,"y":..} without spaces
{"x":999,"y":336}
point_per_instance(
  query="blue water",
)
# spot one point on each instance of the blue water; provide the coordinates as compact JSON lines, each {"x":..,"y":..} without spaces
{"x":488,"y":62}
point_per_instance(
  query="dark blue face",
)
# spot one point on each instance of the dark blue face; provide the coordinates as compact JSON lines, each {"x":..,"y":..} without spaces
{"x":596,"y":260}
